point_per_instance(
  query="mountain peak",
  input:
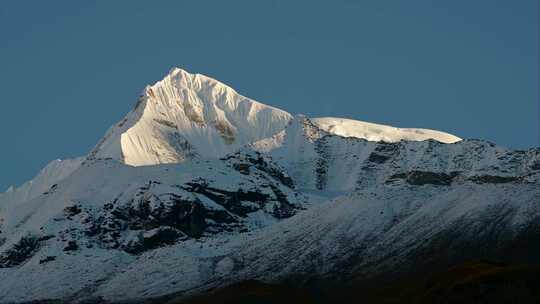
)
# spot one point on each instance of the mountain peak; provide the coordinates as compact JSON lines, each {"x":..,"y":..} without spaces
{"x":178,"y":70}
{"x":179,"y":79}
{"x":184,"y":116}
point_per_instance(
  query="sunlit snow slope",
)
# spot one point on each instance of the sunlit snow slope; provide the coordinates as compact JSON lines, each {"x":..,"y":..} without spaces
{"x":375,"y":132}
{"x":185,"y":116}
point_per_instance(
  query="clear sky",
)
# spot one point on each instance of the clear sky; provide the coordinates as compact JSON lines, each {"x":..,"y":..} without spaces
{"x":71,"y":69}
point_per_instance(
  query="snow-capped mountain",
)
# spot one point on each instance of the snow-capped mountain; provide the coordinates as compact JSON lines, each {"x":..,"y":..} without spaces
{"x":185,"y":116}
{"x":199,"y":187}
{"x":188,"y":115}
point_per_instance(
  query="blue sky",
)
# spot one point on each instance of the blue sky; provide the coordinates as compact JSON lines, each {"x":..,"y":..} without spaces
{"x":71,"y":69}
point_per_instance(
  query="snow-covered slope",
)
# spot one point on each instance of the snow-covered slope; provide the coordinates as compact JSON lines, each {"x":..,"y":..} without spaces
{"x":375,"y":132}
{"x":199,"y":187}
{"x":188,"y":115}
{"x":105,"y":214}
{"x":54,"y":172}
{"x":319,"y":160}
{"x":225,"y":193}
{"x":118,"y":232}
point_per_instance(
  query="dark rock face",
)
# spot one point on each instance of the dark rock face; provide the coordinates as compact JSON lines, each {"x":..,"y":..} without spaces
{"x":242,"y":162}
{"x":153,"y":239}
{"x":493,"y":179}
{"x":422,"y":178}
{"x":384,"y":152}
{"x":378,"y":158}
{"x":51,"y":189}
{"x":419,"y":178}
{"x":47,"y":259}
{"x":71,"y":246}
{"x":173,"y":218}
{"x":166,"y":123}
{"x":45,"y":238}
{"x":164,"y":220}
{"x":20,"y":252}
{"x":321,"y":169}
{"x":72,"y":210}
{"x":232,"y":201}
{"x":285,"y":209}
{"x":185,"y":215}
{"x":155,"y":214}
{"x":242,"y":168}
